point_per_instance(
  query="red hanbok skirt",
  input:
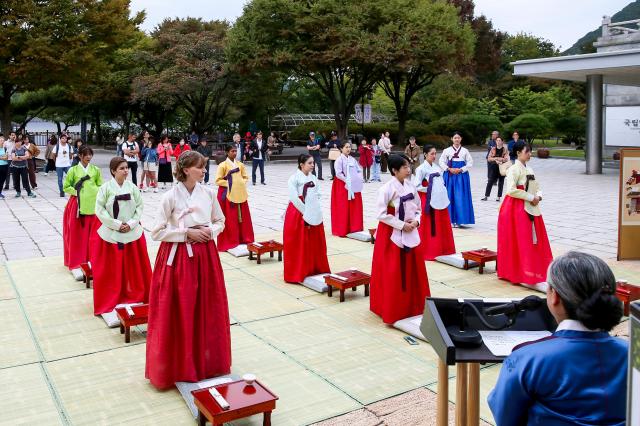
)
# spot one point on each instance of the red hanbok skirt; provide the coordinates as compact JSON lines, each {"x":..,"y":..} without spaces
{"x":76,"y":234}
{"x":388,"y":299}
{"x":346,"y":215}
{"x":235,"y":232}
{"x":519,"y":260}
{"x":119,"y":275}
{"x":189,"y":336}
{"x":305,"y":248}
{"x":442,"y":242}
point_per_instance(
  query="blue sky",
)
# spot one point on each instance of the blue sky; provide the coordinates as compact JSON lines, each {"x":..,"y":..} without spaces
{"x":561,"y":21}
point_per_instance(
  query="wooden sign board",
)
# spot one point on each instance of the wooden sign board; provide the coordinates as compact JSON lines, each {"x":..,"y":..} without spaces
{"x":629,"y":205}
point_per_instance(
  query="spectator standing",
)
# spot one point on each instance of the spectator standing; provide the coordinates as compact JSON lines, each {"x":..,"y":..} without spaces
{"x":149,"y":157}
{"x":31,"y":163}
{"x":119,"y":141}
{"x":205,"y":150}
{"x":314,"y":146}
{"x":193,"y":140}
{"x":180,"y":148}
{"x":4,"y":165}
{"x":50,"y":156}
{"x":240,"y":146}
{"x":498,"y":155}
{"x":258,"y":149}
{"x":272,"y":143}
{"x":146,"y":136}
{"x":375,"y":167}
{"x":9,"y":146}
{"x":491,"y":143}
{"x":413,"y":153}
{"x":366,"y":159}
{"x":63,"y":154}
{"x":165,"y":152}
{"x":514,"y":139}
{"x":385,"y":148}
{"x":334,"y":145}
{"x":19,"y":159}
{"x":131,"y":151}
{"x":77,"y":144}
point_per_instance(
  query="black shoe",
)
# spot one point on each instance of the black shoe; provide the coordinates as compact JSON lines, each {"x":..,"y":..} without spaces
{"x":254,"y":184}
{"x":483,"y":199}
{"x":320,"y":179}
{"x":263,"y":183}
{"x":62,"y":194}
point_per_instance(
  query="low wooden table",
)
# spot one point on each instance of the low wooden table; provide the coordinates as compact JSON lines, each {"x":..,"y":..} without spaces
{"x":481,"y":257}
{"x":266,"y":247}
{"x":141,"y":316}
{"x":244,"y":400}
{"x":88,"y":275}
{"x":372,"y":232}
{"x":353,"y":280}
{"x":627,"y":293}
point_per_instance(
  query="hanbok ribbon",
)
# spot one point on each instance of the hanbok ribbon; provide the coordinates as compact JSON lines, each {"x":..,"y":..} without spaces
{"x":529,"y":178}
{"x":403,"y":200}
{"x":229,"y":179}
{"x":534,"y":236}
{"x":305,"y":188}
{"x":116,"y":203}
{"x":456,"y":154}
{"x":181,"y":227}
{"x":78,"y":188}
{"x":350,"y":194}
{"x":427,"y":203}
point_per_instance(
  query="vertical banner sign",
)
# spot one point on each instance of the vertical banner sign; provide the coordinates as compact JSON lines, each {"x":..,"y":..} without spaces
{"x":629,"y":205}
{"x":367,"y":113}
{"x":359,"y":114}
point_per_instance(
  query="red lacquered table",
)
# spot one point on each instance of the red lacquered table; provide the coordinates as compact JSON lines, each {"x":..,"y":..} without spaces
{"x":627,"y":293}
{"x":244,"y":400}
{"x":88,"y":275}
{"x":265,"y":247}
{"x":353,"y":280}
{"x":481,"y":257}
{"x":140,"y":316}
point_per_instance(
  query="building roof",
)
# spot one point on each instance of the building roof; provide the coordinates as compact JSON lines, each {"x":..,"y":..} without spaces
{"x":617,"y":67}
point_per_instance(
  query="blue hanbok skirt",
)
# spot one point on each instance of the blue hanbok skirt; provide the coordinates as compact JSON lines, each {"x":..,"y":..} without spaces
{"x":459,"y":190}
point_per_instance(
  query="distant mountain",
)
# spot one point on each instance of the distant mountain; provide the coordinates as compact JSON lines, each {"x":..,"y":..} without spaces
{"x":585,"y":44}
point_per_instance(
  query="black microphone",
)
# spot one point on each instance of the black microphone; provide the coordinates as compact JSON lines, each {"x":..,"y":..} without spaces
{"x":529,"y":303}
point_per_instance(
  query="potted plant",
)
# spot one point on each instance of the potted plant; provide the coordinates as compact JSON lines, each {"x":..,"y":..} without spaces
{"x":543,"y":153}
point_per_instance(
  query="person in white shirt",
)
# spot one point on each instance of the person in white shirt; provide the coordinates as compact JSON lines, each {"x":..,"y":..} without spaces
{"x":385,"y":148}
{"x":9,"y":146}
{"x":64,"y":155}
{"x":456,"y":162}
{"x":258,"y":149}
{"x":435,"y":232}
{"x":131,"y":152}
{"x":399,"y":283}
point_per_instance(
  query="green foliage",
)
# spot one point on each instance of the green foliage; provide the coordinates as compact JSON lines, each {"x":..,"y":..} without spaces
{"x":554,"y":103}
{"x":373,"y":130}
{"x":474,"y":128}
{"x":573,"y":128}
{"x":526,"y":46}
{"x":530,"y":126}
{"x":484,"y":106}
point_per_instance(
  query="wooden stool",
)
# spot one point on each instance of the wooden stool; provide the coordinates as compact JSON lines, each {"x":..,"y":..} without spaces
{"x":372,"y":232}
{"x":244,"y":400}
{"x":481,"y":257}
{"x":88,"y":275}
{"x":140,"y":316}
{"x":352,"y":279}
{"x":265,"y":247}
{"x":627,"y":293}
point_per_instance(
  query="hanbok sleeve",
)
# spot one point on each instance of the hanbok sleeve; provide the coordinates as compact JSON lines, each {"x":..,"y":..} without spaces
{"x":416,"y":201}
{"x":101,"y":210}
{"x":513,"y":176}
{"x":339,"y":168}
{"x":244,"y":174}
{"x":137,"y":198}
{"x":69,"y":182}
{"x":163,"y":230}
{"x":509,"y":401}
{"x":419,"y":177}
{"x":217,"y":218}
{"x":293,"y":194}
{"x":443,"y":161}
{"x":468,"y":159}
{"x":381,"y":205}
{"x":98,"y":177}
{"x":220,"y":180}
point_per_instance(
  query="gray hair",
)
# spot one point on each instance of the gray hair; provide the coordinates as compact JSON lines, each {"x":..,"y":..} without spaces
{"x":586,"y":285}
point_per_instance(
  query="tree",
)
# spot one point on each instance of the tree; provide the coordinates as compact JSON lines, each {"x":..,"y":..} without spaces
{"x":530,"y":126}
{"x":573,"y":128}
{"x":334,"y":43}
{"x":188,"y":69}
{"x":428,"y":39}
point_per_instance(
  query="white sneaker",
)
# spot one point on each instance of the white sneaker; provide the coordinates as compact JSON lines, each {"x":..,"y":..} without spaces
{"x":144,"y":189}
{"x":155,"y":189}
{"x":46,"y":174}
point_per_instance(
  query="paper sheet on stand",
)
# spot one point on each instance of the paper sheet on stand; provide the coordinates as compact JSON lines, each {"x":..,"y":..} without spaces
{"x":501,"y":343}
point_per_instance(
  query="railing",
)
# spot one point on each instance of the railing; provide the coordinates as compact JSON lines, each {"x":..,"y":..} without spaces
{"x":42,"y":138}
{"x":610,"y":29}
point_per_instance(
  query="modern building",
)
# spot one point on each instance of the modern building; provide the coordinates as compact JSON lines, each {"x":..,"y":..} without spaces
{"x":612,"y":75}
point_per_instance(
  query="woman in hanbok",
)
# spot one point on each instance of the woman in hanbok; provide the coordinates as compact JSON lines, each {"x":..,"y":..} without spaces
{"x":119,"y":257}
{"x":305,"y":247}
{"x":399,"y":283}
{"x":578,"y":375}
{"x":346,"y":195}
{"x":79,"y":221}
{"x":232,"y":178}
{"x":435,"y":233}
{"x":188,"y":336}
{"x":524,"y":253}
{"x":456,"y":162}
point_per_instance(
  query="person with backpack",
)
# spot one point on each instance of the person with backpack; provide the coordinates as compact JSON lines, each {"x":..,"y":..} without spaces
{"x":64,"y":155}
{"x":19,"y":159}
{"x":131,"y":152}
{"x":31,"y":164}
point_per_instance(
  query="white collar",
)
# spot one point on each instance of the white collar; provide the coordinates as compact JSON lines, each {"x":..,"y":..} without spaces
{"x":574,"y":325}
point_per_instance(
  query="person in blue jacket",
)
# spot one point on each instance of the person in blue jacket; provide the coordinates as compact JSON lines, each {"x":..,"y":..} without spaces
{"x":577,"y":375}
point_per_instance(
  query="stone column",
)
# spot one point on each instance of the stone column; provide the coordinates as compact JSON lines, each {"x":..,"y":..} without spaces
{"x":594,"y":125}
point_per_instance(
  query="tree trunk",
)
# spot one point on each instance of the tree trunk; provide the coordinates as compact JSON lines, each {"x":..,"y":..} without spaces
{"x":98,"y":131}
{"x":83,"y":129}
{"x":58,"y":127}
{"x":402,"y":125}
{"x":5,"y":101}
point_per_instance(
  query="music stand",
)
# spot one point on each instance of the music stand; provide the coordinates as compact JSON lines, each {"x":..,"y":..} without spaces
{"x":441,"y":313}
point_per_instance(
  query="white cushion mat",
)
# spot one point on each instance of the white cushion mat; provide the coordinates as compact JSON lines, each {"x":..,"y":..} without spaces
{"x":77,"y":274}
{"x":541,"y":287}
{"x":316,"y":283}
{"x":455,"y":260}
{"x":185,"y":389}
{"x":111,"y":318}
{"x":363,"y":236}
{"x":239,"y":251}
{"x":411,"y":326}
